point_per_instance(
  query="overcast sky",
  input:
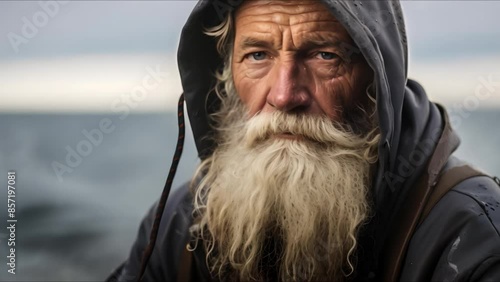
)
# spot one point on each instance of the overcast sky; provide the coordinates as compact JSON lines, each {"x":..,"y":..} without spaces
{"x":84,"y":56}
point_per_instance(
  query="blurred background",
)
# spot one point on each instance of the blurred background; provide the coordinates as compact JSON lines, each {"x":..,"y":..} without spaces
{"x":91,"y":144}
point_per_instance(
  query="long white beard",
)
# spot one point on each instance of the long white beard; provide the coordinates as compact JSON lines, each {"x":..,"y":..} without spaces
{"x":308,"y":196}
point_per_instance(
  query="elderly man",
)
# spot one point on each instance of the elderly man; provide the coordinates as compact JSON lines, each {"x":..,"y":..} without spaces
{"x":321,"y":161}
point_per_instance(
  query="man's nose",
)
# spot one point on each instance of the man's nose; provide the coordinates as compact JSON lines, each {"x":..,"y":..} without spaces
{"x":288,"y":91}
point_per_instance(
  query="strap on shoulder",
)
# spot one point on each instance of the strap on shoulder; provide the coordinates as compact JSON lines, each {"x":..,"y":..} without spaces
{"x":448,"y":180}
{"x":418,"y":205}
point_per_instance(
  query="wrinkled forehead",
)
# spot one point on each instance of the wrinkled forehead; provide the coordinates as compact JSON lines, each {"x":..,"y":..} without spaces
{"x":303,"y":18}
{"x":275,"y":6}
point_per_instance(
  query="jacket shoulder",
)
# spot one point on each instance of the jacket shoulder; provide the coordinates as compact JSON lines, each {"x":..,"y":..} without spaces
{"x":172,"y":237}
{"x":485,"y":192}
{"x":459,"y":240}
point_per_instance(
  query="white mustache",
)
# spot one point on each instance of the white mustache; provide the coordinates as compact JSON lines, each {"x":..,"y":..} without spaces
{"x":318,"y":129}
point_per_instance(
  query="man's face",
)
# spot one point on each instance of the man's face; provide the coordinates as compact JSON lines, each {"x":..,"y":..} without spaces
{"x":277,"y":177}
{"x":294,"y":56}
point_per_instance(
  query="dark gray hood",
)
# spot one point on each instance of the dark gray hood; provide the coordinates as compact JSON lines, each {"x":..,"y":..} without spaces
{"x":410,"y":124}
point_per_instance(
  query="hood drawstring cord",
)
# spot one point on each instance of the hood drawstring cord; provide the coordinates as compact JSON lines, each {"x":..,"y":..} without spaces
{"x":166,"y":190}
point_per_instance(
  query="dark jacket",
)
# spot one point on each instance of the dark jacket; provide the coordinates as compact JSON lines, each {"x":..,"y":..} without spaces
{"x":458,"y":241}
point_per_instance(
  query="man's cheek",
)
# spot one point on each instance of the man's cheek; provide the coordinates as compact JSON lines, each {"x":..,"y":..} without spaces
{"x":330,"y":96}
{"x":250,"y":97}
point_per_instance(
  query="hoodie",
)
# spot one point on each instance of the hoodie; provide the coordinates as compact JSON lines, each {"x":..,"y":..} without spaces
{"x":411,"y":128}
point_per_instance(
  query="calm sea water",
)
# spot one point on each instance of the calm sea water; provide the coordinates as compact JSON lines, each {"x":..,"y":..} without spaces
{"x":79,"y":226}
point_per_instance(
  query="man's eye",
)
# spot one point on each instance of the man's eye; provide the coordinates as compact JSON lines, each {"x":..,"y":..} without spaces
{"x":257,"y":56}
{"x":327,"y":55}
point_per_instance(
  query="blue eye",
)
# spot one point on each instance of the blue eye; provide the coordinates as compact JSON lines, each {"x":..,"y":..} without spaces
{"x":258,"y":56}
{"x":327,"y":55}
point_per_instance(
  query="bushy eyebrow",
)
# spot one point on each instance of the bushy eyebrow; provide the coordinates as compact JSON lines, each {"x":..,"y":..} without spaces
{"x":317,"y":44}
{"x":251,"y":42}
{"x":314,"y":41}
{"x":309,"y":42}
